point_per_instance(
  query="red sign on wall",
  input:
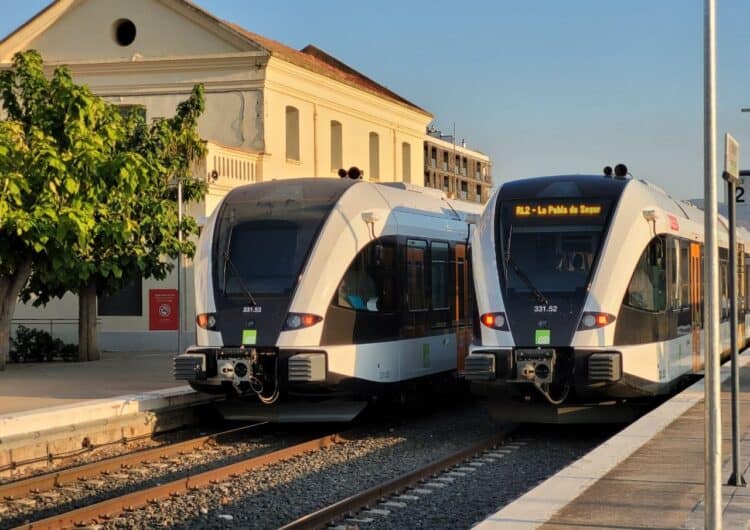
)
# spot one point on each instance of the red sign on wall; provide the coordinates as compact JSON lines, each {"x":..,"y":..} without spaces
{"x":163,"y":310}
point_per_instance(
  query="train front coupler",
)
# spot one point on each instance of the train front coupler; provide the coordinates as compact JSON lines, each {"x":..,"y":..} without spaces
{"x":543,"y":368}
{"x":255,"y":372}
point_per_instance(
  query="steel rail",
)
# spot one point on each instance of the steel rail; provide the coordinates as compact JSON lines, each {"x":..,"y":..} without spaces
{"x":107,"y":509}
{"x":53,"y":479}
{"x":324,"y":516}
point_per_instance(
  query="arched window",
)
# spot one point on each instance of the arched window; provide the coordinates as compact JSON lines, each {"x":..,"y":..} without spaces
{"x":374,"y":156}
{"x":337,"y":148}
{"x":292,"y":133}
{"x":406,"y":162}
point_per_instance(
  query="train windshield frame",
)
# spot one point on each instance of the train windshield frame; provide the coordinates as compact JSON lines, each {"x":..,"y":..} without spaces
{"x":550,"y":247}
{"x":262,"y":243}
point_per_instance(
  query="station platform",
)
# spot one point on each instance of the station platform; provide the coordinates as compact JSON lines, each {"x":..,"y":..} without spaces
{"x":51,"y":408}
{"x":648,"y":476}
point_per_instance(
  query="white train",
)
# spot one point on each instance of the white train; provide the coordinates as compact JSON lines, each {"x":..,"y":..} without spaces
{"x":590,"y":290}
{"x":309,"y":289}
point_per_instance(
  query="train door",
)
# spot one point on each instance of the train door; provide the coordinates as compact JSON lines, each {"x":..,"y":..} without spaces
{"x":461,"y":308}
{"x":696,"y":294}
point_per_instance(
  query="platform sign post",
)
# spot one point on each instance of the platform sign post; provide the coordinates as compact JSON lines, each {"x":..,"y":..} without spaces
{"x":712,"y":441}
{"x":733,"y":177}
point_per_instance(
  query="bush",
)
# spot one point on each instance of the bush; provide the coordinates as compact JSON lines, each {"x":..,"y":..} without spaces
{"x":36,"y":345}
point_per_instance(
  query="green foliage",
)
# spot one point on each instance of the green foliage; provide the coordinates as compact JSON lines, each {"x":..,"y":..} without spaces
{"x":36,"y":345}
{"x":111,"y":212}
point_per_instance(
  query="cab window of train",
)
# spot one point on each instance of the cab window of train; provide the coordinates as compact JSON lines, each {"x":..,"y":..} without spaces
{"x":283,"y":229}
{"x":416,"y":296}
{"x":648,"y":286}
{"x":368,"y":283}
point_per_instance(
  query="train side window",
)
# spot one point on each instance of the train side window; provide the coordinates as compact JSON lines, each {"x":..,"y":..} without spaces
{"x":416,"y":295}
{"x":648,"y":286}
{"x":685,"y":274}
{"x":440,"y":263}
{"x":369,"y":283}
{"x":675,"y":265}
{"x":724,"y":282}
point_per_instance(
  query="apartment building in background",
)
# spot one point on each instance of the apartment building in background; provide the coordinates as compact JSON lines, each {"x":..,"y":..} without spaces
{"x":461,"y":172}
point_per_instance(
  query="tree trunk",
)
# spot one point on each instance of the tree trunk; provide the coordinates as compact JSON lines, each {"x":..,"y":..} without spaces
{"x":10,"y":288}
{"x":88,"y":344}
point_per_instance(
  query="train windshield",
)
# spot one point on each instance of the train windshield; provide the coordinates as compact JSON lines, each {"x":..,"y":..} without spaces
{"x":548,"y":247}
{"x":262,"y":245}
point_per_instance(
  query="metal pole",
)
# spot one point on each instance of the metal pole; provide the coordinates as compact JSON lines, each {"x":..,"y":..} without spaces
{"x":179,"y":268}
{"x":712,"y":442}
{"x":736,"y":479}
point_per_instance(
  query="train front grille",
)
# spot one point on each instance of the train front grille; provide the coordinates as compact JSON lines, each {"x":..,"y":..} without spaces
{"x":605,"y":367}
{"x":189,"y":367}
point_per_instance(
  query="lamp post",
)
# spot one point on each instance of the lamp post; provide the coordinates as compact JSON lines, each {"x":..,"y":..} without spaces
{"x":712,"y":415}
{"x":179,"y":267}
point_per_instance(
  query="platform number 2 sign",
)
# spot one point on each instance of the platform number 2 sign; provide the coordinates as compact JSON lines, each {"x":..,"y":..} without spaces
{"x":739,"y":193}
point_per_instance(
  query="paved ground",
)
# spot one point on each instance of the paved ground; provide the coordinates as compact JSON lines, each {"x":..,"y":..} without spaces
{"x":31,"y":386}
{"x":660,"y":486}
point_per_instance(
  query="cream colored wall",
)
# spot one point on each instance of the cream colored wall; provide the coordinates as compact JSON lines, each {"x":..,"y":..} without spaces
{"x":86,"y":32}
{"x":320,"y":100}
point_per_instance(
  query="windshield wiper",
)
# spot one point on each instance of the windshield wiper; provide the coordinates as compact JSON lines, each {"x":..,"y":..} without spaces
{"x":236,"y":273}
{"x":543,"y":299}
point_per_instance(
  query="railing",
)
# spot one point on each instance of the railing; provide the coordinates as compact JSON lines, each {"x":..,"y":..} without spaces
{"x":65,"y":329}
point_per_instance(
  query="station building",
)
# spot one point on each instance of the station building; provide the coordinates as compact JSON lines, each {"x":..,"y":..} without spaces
{"x":272,"y":112}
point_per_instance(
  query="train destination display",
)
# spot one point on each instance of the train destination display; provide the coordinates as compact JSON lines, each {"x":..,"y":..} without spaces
{"x":558,"y":210}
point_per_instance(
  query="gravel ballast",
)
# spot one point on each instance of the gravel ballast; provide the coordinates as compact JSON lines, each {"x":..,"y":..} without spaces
{"x":280,"y":493}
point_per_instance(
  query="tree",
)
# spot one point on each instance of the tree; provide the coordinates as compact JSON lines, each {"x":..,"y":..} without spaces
{"x":44,"y":208}
{"x":120,"y":175}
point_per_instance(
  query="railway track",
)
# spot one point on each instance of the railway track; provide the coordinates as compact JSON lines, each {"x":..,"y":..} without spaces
{"x":355,"y":503}
{"x":105,"y":510}
{"x":47,"y":481}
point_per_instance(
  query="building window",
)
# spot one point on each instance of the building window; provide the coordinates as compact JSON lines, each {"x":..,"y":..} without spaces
{"x":337,"y":146}
{"x":445,"y":161}
{"x":478,"y":171}
{"x":292,"y":134}
{"x":479,"y":192}
{"x":446,"y":184}
{"x":464,"y":167}
{"x":374,"y":156}
{"x":433,"y":157}
{"x":127,"y":302}
{"x":406,"y":162}
{"x":457,"y":168}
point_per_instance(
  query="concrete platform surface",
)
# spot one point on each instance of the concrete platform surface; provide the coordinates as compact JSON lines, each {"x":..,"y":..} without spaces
{"x":27,"y":387}
{"x":648,"y":476}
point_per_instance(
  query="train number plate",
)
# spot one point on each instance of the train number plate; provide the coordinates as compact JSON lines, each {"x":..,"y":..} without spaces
{"x":536,"y":354}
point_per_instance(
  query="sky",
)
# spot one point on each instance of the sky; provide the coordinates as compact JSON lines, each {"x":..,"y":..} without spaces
{"x":542,"y":86}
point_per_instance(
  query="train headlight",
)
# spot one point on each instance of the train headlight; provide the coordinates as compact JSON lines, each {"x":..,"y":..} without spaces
{"x":593,"y":320}
{"x":495,"y":321}
{"x":300,"y":320}
{"x":206,"y":321}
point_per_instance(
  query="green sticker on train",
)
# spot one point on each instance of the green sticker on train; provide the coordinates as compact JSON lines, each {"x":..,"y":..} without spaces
{"x":249,"y":336}
{"x":425,"y":355}
{"x":542,"y":336}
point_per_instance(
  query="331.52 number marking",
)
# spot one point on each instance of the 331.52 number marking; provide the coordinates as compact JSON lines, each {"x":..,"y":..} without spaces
{"x":545,"y":309}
